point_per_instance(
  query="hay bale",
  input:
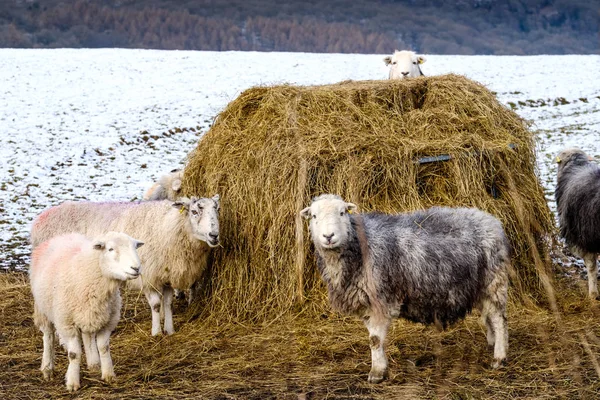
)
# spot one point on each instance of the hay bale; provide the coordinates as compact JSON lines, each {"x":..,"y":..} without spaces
{"x":274,"y":148}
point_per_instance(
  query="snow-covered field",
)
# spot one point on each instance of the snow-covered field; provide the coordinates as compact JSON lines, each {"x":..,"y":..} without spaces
{"x":101,"y":124}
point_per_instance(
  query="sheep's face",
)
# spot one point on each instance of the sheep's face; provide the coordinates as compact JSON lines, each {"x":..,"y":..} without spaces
{"x":203,"y":215}
{"x":404,"y":64}
{"x":329,"y":220}
{"x":119,"y":258}
{"x":572,"y":154}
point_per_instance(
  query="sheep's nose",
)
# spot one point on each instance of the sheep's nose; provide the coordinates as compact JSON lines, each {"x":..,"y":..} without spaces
{"x":213,"y":236}
{"x":405,"y":73}
{"x":136,"y":269}
{"x":328,"y":237}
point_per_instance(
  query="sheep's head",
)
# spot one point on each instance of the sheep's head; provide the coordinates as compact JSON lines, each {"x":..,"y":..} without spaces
{"x":329,"y":220}
{"x":118,"y":258}
{"x":203,"y":216}
{"x":571,"y":155}
{"x":176,"y":177}
{"x":404,"y":64}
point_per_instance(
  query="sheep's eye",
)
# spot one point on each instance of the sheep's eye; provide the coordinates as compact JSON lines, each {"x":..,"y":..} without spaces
{"x":414,"y":62}
{"x":341,"y":214}
{"x":314,"y":216}
{"x":194,"y":212}
{"x":111,"y":249}
{"x":394,"y":63}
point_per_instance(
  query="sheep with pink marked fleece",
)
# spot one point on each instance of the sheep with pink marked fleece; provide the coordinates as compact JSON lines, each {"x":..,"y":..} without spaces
{"x":75,"y":285}
{"x":178,"y":237}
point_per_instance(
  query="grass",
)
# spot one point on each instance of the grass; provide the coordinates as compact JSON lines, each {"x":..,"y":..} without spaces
{"x":314,"y":354}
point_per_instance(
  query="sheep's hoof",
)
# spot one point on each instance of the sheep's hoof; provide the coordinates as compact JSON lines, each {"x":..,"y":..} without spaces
{"x":109,"y":377}
{"x":498,"y":363}
{"x":377,"y":376}
{"x":73,"y":386}
{"x":48,"y":374}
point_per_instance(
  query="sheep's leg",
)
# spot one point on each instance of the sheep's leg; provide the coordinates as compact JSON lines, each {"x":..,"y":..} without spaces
{"x":73,"y":346}
{"x":47,"y":328}
{"x":191,"y":293}
{"x":154,"y":300}
{"x":91,"y":350}
{"x":168,"y":309}
{"x":378,"y":328}
{"x":103,"y":338}
{"x":487,"y":321}
{"x":592,"y":270}
{"x":494,"y":314}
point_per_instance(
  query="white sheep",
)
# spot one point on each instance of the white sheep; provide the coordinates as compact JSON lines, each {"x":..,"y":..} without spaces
{"x":431,"y":266}
{"x":404,"y":64}
{"x":178,"y":236}
{"x":168,"y":187}
{"x":75,"y":284}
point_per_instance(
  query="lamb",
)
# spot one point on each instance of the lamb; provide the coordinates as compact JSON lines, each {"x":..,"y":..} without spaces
{"x":178,"y":237}
{"x":431,"y":266}
{"x":167,"y":187}
{"x":75,"y":284}
{"x":404,"y":64}
{"x":578,"y":204}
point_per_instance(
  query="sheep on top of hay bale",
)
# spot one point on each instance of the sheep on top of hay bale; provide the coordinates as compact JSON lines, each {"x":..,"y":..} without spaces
{"x":274,"y":148}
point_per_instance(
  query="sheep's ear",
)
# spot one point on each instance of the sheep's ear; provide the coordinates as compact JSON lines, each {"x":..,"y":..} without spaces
{"x":350,"y":207}
{"x":558,"y":160}
{"x":421,"y":59}
{"x":182,"y":204}
{"x":387,"y":60}
{"x":305,"y":213}
{"x":216,"y":198}
{"x":99,"y":245}
{"x":176,"y":185}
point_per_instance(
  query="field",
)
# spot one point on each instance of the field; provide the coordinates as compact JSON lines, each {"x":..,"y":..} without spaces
{"x":102,"y":124}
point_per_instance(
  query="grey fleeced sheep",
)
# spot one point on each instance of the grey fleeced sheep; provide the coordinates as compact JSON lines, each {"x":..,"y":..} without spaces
{"x":177,"y":235}
{"x":168,"y":187}
{"x":578,"y":205}
{"x":75,"y":285}
{"x":432,"y":266}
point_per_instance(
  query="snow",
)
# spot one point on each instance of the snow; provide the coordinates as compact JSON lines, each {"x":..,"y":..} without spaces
{"x":94,"y":124}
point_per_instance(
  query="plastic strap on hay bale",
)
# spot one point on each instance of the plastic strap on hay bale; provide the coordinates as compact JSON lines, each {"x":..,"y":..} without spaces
{"x":446,"y":157}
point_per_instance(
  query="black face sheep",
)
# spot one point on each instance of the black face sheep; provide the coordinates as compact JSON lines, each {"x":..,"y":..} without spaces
{"x":178,"y":237}
{"x":578,"y":205}
{"x":431,"y":266}
{"x":75,"y":284}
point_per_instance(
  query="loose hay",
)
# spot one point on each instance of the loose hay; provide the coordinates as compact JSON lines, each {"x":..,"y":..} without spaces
{"x":303,"y":356}
{"x":274,"y":148}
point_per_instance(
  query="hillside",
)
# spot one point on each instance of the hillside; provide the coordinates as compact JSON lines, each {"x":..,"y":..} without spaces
{"x":339,"y":26}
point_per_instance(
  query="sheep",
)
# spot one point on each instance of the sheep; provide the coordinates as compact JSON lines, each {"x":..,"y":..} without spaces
{"x":404,"y":64}
{"x":431,"y":266}
{"x":178,"y":237}
{"x":167,"y":187}
{"x":578,"y":205}
{"x":75,"y":284}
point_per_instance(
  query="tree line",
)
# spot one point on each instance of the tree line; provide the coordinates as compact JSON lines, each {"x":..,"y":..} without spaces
{"x":338,"y":26}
